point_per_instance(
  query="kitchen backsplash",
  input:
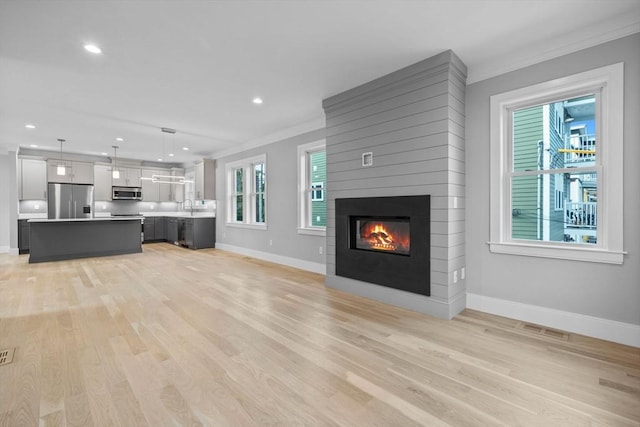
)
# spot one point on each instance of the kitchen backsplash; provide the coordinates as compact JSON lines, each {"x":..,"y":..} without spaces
{"x":33,"y":206}
{"x":123,"y":207}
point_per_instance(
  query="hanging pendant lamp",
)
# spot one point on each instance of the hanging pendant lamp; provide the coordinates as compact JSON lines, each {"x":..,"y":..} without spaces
{"x":115,"y":173}
{"x":61,"y":168}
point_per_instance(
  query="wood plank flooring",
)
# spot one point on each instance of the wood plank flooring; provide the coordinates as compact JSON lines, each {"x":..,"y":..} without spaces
{"x":173,"y":337}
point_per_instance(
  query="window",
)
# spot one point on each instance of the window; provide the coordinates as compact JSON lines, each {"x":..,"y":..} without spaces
{"x":556,"y":168}
{"x":246,"y":190}
{"x":312,"y":176}
{"x":317,"y":192}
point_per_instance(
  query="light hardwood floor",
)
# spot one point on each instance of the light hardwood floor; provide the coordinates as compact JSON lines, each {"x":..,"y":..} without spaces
{"x":179,"y":337}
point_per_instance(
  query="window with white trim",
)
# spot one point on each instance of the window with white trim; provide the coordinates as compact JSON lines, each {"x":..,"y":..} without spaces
{"x":247,"y":192}
{"x":312,"y":176}
{"x":556,"y":168}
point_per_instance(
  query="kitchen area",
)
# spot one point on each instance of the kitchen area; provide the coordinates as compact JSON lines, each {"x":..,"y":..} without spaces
{"x":77,"y":206}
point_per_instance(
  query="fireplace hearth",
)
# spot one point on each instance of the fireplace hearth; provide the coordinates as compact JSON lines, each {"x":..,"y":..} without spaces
{"x":385,"y":240}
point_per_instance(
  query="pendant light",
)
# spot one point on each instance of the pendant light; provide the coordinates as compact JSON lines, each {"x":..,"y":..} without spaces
{"x":61,"y":169}
{"x":167,"y":179}
{"x":115,"y":173}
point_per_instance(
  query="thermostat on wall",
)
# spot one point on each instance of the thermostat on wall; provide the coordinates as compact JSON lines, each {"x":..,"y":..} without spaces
{"x":367,"y":159}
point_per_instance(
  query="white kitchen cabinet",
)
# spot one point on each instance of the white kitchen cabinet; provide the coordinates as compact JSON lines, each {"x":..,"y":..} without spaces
{"x":33,"y":179}
{"x":129,"y":177}
{"x":156,"y":191}
{"x":150,"y":190}
{"x":102,"y":186}
{"x":75,"y":172}
{"x":204,"y":188}
{"x":177,"y":190}
{"x":82,"y":173}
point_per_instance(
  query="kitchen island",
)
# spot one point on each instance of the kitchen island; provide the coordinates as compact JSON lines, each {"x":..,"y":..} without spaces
{"x":58,"y":239}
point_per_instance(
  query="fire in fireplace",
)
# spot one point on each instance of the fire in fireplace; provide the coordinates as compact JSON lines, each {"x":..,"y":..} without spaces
{"x":382,"y":234}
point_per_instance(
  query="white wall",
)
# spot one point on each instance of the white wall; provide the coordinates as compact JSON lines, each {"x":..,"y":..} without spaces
{"x":570,"y":295}
{"x":288,"y":247}
{"x":8,"y":203}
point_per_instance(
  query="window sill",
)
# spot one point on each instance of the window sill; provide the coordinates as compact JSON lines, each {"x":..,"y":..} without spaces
{"x":558,"y":252}
{"x":313,"y":231}
{"x":249,"y":226}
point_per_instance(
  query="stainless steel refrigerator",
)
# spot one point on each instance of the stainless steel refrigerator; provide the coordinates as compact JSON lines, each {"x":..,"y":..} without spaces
{"x":70,"y":201}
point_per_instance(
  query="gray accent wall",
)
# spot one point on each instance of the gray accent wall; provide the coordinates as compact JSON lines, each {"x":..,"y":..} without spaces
{"x":604,"y":291}
{"x":282,"y":205}
{"x":412,"y":120}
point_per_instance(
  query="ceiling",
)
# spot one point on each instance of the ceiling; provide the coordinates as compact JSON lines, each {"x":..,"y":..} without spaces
{"x":195,"y":66}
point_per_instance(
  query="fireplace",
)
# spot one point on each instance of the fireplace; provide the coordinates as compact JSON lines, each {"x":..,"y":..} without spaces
{"x":385,"y":240}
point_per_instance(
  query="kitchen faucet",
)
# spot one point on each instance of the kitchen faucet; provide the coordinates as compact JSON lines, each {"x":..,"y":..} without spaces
{"x":184,"y":205}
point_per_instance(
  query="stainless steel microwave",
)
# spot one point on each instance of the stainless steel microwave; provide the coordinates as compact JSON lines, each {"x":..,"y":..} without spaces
{"x":126,"y":193}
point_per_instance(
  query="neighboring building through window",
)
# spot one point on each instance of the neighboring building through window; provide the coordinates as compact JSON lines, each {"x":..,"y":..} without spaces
{"x":550,"y":147}
{"x":312,"y":176}
{"x":247,"y":192}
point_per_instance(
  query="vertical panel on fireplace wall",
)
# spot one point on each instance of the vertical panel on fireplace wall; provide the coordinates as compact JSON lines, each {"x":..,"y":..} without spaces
{"x":412,"y":121}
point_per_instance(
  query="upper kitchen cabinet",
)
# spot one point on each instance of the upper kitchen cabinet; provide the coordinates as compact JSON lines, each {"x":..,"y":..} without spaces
{"x":205,"y":180}
{"x":33,"y":179}
{"x":176,"y":190}
{"x":154,"y":191}
{"x":129,"y":177}
{"x":102,"y":187}
{"x":75,"y":172}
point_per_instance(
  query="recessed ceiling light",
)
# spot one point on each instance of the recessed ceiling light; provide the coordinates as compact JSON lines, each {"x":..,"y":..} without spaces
{"x":257,"y":100}
{"x":159,"y":160}
{"x":103,"y":154}
{"x":170,"y":154}
{"x":119,"y":139}
{"x":30,"y":126}
{"x":185,"y":148}
{"x":92,"y":48}
{"x":33,"y":145}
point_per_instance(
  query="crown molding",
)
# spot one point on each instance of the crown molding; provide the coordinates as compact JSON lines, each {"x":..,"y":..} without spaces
{"x":533,"y":54}
{"x":311,"y":125}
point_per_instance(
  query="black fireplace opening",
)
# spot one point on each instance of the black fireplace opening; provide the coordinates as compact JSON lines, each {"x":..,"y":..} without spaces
{"x":389,"y":235}
{"x":385,"y":241}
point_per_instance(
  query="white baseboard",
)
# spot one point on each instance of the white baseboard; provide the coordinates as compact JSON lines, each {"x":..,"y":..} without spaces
{"x":4,"y":249}
{"x":314,"y":267}
{"x":610,"y":330}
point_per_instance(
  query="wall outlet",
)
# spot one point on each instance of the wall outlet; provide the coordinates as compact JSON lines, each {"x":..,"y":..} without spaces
{"x":320,"y":250}
{"x":36,"y":207}
{"x":455,"y":276}
{"x":151,"y":206}
{"x":455,"y":202}
{"x":270,"y":242}
{"x":224,"y":235}
{"x":462,"y":273}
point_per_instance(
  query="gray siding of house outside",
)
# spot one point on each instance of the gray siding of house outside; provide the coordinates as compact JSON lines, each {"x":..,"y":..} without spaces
{"x":527,"y":131}
{"x":412,"y":121}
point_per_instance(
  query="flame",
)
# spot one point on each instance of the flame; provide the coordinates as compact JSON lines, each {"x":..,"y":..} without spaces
{"x":377,"y":236}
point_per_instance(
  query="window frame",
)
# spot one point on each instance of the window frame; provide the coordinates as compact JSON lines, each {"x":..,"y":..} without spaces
{"x":249,"y":193}
{"x":608,"y":85}
{"x":305,"y":190}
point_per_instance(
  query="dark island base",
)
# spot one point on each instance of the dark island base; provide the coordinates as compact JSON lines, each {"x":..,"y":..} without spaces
{"x":60,"y":240}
